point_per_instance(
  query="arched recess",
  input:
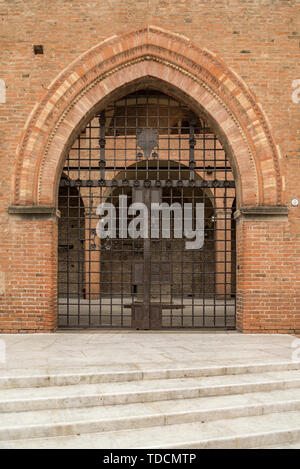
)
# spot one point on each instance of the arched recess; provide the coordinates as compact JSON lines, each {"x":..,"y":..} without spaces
{"x":169,"y":60}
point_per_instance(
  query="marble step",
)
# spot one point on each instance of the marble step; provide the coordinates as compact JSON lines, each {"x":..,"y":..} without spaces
{"x":88,"y":395}
{"x":72,"y":421}
{"x":72,"y":378}
{"x":292,"y":445}
{"x":243,"y":432}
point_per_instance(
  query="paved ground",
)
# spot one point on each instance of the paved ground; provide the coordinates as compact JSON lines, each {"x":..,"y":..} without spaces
{"x":106,"y":350}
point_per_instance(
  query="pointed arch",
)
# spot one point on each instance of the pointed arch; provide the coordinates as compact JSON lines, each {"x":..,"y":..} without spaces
{"x":168,"y":60}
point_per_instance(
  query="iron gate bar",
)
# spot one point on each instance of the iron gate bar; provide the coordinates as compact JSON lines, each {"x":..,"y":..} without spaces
{"x":95,"y":287}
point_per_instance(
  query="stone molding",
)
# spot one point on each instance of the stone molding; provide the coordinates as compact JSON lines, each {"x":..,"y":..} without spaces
{"x":34,"y":211}
{"x":261,"y":213}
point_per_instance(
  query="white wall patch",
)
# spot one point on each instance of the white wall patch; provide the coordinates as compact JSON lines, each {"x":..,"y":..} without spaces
{"x":296,"y":92}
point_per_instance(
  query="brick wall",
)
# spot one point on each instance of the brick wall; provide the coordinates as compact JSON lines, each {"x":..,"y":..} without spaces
{"x":259,"y":39}
{"x":266,"y":300}
{"x":29,"y":300}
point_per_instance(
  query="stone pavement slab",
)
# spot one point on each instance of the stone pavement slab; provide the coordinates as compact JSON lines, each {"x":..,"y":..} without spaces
{"x":66,"y":352}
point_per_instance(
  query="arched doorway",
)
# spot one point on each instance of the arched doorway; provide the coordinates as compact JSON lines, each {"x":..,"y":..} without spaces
{"x":147,"y":147}
{"x":154,"y":58}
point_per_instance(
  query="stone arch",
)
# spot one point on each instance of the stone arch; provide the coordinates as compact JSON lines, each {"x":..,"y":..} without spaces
{"x":120,"y":62}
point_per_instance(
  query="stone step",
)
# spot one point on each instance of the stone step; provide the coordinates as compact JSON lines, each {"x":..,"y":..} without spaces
{"x":87,"y":395}
{"x":243,"y":432}
{"x":65,"y":379}
{"x":72,"y":421}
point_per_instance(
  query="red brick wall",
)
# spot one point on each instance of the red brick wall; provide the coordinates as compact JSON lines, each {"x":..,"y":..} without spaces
{"x":266,"y":300}
{"x":259,"y":39}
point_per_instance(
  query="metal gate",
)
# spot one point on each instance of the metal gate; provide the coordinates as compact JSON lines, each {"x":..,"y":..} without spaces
{"x":169,"y":268}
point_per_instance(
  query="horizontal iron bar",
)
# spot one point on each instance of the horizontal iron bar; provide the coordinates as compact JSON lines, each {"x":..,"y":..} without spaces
{"x":94,"y":327}
{"x":133,"y":168}
{"x":145,"y":183}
